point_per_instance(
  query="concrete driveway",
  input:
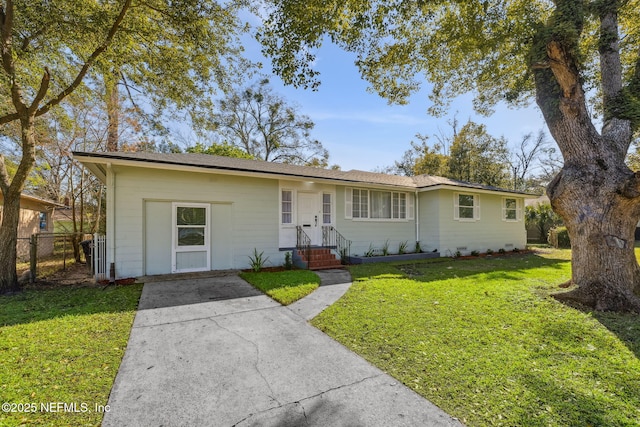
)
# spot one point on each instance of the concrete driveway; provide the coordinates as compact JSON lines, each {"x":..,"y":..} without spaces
{"x":213,"y":351}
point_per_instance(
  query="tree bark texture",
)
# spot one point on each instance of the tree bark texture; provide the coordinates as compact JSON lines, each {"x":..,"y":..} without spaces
{"x":11,"y":208}
{"x":112,"y":100}
{"x":595,"y":193}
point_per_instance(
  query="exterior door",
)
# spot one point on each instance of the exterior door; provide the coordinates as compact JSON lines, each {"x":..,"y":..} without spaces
{"x":191,"y":247}
{"x":309,"y":217}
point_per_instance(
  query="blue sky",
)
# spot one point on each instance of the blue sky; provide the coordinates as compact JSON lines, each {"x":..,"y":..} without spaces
{"x":359,"y":128}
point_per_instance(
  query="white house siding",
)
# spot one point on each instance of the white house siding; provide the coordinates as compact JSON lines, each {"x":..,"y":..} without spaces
{"x":489,"y":232}
{"x":244,"y":212}
{"x":429,"y":211}
{"x":374,"y":233}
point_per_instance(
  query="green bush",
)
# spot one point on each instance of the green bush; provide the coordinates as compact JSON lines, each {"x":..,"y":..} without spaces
{"x":559,"y":237}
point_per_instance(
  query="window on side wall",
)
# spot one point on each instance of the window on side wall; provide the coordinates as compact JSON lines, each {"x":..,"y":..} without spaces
{"x":466,"y":207}
{"x":510,"y":209}
{"x":43,"y":221}
{"x":191,"y":225}
{"x":326,"y":208}
{"x":287,"y":206}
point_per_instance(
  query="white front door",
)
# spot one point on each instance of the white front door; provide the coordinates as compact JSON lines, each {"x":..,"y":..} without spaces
{"x":309,"y":216}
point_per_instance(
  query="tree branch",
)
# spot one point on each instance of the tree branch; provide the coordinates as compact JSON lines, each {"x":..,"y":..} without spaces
{"x":6,"y":38}
{"x":85,"y":68}
{"x":42,"y":91}
{"x":615,"y":128}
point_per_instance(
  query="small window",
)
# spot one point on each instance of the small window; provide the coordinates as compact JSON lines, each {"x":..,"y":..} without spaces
{"x":326,"y":208}
{"x":43,"y":221}
{"x":191,"y":223}
{"x":399,"y":205}
{"x":510,"y":211}
{"x":287,"y":206}
{"x":360,"y":203}
{"x":466,"y":207}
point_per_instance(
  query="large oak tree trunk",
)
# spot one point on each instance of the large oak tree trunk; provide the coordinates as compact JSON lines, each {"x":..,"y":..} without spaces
{"x":11,"y":210}
{"x":595,"y":193}
{"x":8,"y":239}
{"x":601,"y":224}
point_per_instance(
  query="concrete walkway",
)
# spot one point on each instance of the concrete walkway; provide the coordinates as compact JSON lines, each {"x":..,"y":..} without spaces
{"x":213,"y":351}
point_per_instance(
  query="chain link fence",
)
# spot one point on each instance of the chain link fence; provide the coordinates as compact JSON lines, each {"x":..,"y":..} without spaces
{"x":50,"y":253}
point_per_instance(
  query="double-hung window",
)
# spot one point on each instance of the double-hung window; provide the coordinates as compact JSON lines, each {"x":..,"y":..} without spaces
{"x":287,"y":206}
{"x":191,"y":224}
{"x":510,"y":209}
{"x":378,"y":204}
{"x":360,"y":203}
{"x":326,"y":208}
{"x":466,"y":207}
{"x":191,"y":239}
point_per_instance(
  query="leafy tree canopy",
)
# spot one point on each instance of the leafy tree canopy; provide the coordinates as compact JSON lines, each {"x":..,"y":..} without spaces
{"x":488,"y":48}
{"x":223,"y":149}
{"x":264,"y":125}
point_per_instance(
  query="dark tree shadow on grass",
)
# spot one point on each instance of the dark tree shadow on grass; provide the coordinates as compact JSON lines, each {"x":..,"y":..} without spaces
{"x":494,"y":267}
{"x":38,"y":305}
{"x":626,"y":326}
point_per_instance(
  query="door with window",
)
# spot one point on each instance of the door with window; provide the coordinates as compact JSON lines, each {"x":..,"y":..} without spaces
{"x":310,"y":216}
{"x":191,"y":241}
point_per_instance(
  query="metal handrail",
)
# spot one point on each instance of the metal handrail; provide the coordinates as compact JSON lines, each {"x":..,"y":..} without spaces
{"x":331,"y":238}
{"x":303,"y":243}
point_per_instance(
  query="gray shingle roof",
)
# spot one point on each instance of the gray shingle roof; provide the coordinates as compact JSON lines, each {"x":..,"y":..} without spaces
{"x":282,"y":169}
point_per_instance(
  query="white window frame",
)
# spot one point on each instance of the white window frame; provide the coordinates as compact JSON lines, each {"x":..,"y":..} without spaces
{"x":517,"y":209}
{"x":397,"y":215}
{"x":193,"y":248}
{"x":456,"y":207}
{"x":330,"y":204}
{"x":292,"y":212}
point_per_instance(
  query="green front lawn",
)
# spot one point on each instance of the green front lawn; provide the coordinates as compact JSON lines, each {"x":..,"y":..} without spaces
{"x":483,"y":340}
{"x":286,"y":287}
{"x":62,"y":346}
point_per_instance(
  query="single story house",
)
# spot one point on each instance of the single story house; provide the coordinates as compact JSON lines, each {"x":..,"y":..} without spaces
{"x":170,"y":213}
{"x":35,"y":217}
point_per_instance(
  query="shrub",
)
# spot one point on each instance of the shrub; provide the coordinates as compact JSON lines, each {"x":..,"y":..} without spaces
{"x":559,"y":237}
{"x":258,"y":260}
{"x":489,"y":251}
{"x":371,"y":251}
{"x":501,"y":251}
{"x":288,"y":264}
{"x":475,"y":253}
{"x":418,"y":249}
{"x":385,"y":248}
{"x":402,"y":247}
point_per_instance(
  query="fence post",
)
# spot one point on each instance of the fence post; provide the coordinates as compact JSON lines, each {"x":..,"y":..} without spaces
{"x":33,"y":257}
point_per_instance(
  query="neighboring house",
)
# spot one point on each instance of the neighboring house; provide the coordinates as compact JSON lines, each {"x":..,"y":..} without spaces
{"x":170,"y":213}
{"x":35,"y":217}
{"x":533,"y":231}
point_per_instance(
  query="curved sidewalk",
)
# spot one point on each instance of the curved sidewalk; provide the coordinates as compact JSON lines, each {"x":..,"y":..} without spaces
{"x":213,"y":351}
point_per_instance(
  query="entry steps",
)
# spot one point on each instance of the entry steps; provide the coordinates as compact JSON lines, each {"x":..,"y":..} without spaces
{"x":319,"y":259}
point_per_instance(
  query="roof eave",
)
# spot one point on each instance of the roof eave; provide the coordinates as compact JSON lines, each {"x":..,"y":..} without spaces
{"x":94,"y":162}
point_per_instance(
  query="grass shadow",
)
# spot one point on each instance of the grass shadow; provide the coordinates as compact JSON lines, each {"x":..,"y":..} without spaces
{"x":508,"y":268}
{"x":626,"y":326}
{"x":33,"y":305}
